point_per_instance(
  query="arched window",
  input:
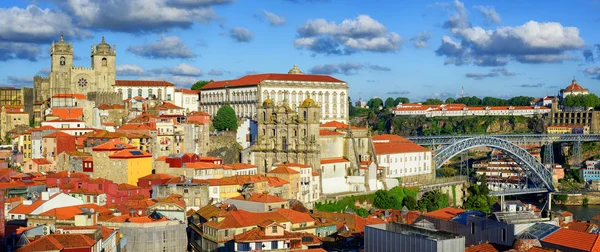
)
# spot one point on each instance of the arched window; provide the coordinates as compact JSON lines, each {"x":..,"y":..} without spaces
{"x":139,"y":92}
{"x":104,"y":62}
{"x":264,"y":116}
{"x":62,"y":61}
{"x":305,"y":115}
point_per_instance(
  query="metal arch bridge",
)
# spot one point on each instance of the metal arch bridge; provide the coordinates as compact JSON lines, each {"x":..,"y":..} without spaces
{"x":534,"y":169}
{"x":515,"y":138}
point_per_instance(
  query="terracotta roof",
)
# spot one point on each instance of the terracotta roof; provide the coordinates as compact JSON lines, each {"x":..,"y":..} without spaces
{"x":109,"y":124}
{"x":238,"y":166}
{"x":27,"y":209}
{"x":124,"y":186}
{"x":68,"y":213}
{"x":389,"y":148}
{"x":337,"y":125}
{"x":202,"y":165}
{"x":41,"y":161}
{"x":481,"y":248}
{"x":131,"y":153}
{"x":257,"y":79}
{"x":283,"y":170}
{"x":573,"y":239}
{"x":64,"y":174}
{"x":77,"y":96}
{"x":137,"y":126}
{"x":390,"y":138}
{"x":187,"y":91}
{"x":59,"y":242}
{"x":105,"y":106}
{"x":580,"y":226}
{"x":113,"y":146}
{"x":334,"y":160}
{"x":329,"y":133}
{"x":574,"y":86}
{"x":13,"y":199}
{"x":262,"y":198}
{"x":258,"y":234}
{"x":240,"y":218}
{"x":277,"y":182}
{"x":67,"y":113}
{"x":57,"y":134}
{"x":445,"y":213}
{"x":157,"y":176}
{"x":168,"y":105}
{"x":199,"y":113}
{"x":143,"y":83}
{"x":295,"y":165}
{"x":86,"y":192}
{"x":295,"y":216}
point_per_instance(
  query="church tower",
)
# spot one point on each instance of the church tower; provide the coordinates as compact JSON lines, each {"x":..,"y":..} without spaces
{"x":104,"y":66}
{"x":62,"y":63}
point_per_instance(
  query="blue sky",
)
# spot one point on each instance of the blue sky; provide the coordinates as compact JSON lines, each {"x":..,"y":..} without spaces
{"x":416,"y":49}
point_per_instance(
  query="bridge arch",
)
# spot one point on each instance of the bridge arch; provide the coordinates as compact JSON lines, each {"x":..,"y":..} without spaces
{"x":535,"y":170}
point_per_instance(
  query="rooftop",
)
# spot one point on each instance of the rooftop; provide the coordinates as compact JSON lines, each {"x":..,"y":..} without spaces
{"x":143,"y":83}
{"x":257,"y":79}
{"x":262,"y":198}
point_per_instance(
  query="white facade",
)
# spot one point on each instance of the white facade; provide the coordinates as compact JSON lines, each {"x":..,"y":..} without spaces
{"x":246,"y":132}
{"x":187,"y":99}
{"x":406,"y":164}
{"x":333,"y":177}
{"x":65,"y":124}
{"x":50,"y":202}
{"x":245,"y":100}
{"x":462,"y":110}
{"x":130,"y":89}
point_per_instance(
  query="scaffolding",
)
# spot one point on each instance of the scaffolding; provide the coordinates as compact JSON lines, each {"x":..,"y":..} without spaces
{"x":156,"y":236}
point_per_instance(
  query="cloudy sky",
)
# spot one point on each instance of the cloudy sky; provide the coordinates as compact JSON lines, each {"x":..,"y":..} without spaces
{"x":381,"y":48}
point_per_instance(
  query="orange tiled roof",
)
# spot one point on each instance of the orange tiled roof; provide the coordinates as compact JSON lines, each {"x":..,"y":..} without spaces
{"x":187,"y":91}
{"x":240,"y":218}
{"x":143,"y":83}
{"x":258,"y":234}
{"x":67,"y":113}
{"x":41,"y":161}
{"x":334,"y":160}
{"x":168,"y":105}
{"x":202,"y":165}
{"x":59,"y":242}
{"x":573,"y":239}
{"x":445,"y":213}
{"x":113,"y":146}
{"x":295,"y":216}
{"x":137,"y":126}
{"x":283,"y":169}
{"x":580,"y":226}
{"x":77,"y":96}
{"x":13,"y":199}
{"x":481,"y":248}
{"x":277,"y":182}
{"x":337,"y":125}
{"x":157,"y":176}
{"x":256,"y":79}
{"x":329,"y":133}
{"x":130,"y":153}
{"x":124,"y":186}
{"x":389,"y":148}
{"x":262,"y":198}
{"x":57,"y":134}
{"x":238,"y":166}
{"x":86,"y":192}
{"x":27,"y":209}
{"x":68,"y":213}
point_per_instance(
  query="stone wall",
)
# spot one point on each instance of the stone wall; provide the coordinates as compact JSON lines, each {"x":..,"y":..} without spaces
{"x":104,"y":97}
{"x":577,"y":199}
{"x":226,"y":147}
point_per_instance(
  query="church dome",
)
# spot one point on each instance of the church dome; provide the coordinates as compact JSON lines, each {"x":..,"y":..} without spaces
{"x":295,"y":70}
{"x":103,"y":46}
{"x":574,"y":86}
{"x":526,"y":241}
{"x":268,"y":103}
{"x":308,"y":103}
{"x":62,"y":46}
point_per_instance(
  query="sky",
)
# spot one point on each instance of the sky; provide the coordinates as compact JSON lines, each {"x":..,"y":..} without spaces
{"x":415,"y":49}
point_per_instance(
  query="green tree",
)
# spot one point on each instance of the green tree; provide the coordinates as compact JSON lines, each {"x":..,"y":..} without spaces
{"x":225,"y":119}
{"x":447,"y":171}
{"x":433,"y":200}
{"x":385,"y":200}
{"x":450,"y":100}
{"x":389,"y":102}
{"x":478,"y":199}
{"x":199,"y":84}
{"x":351,"y":109}
{"x":410,"y":202}
{"x":402,"y":100}
{"x":375,"y":103}
{"x":433,"y":101}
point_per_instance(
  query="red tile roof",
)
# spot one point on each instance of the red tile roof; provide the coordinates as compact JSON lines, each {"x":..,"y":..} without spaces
{"x":59,"y":242}
{"x":67,"y":113}
{"x":240,"y":218}
{"x":157,"y":176}
{"x":574,"y":86}
{"x":445,"y":213}
{"x":68,"y":213}
{"x":337,"y":125}
{"x":334,"y":160}
{"x":258,"y":234}
{"x":77,"y":96}
{"x":27,"y":209}
{"x":239,"y":166}
{"x":580,"y":226}
{"x":329,"y":133}
{"x":295,"y":216}
{"x":573,"y":239}
{"x":143,"y":83}
{"x":41,"y":161}
{"x":113,"y":146}
{"x":57,"y":134}
{"x":390,"y":148}
{"x":187,"y":91}
{"x":202,"y":165}
{"x":168,"y":105}
{"x":124,"y":186}
{"x":130,"y":153}
{"x":137,"y":126}
{"x":283,"y":170}
{"x":277,"y":182}
{"x":257,"y":79}
{"x":262,"y":198}
{"x":481,"y":248}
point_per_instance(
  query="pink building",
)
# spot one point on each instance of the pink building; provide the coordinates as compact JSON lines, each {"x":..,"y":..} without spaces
{"x":38,"y":165}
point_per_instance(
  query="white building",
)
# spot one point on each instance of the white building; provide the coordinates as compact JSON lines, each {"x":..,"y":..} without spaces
{"x":187,"y":99}
{"x":463,"y":110}
{"x":45,"y":203}
{"x":64,"y":124}
{"x":248,"y":92}
{"x":402,"y":158}
{"x":163,"y":90}
{"x":67,"y":100}
{"x":573,"y":89}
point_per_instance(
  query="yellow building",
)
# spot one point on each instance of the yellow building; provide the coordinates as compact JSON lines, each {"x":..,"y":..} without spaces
{"x":140,"y":141}
{"x":11,"y":117}
{"x":26,"y":145}
{"x":568,"y":129}
{"x":132,"y":163}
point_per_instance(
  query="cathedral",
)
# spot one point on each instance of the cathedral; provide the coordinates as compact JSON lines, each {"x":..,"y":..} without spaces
{"x":64,"y":78}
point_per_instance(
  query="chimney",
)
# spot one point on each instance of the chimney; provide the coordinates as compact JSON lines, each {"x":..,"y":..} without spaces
{"x":45,"y":196}
{"x":27,"y":202}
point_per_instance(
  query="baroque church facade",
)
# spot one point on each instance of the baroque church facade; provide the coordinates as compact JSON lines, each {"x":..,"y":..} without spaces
{"x":64,"y":78}
{"x":287,"y":136}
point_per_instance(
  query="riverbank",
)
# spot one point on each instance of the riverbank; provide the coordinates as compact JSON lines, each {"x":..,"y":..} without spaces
{"x":593,"y":198}
{"x":582,"y":213}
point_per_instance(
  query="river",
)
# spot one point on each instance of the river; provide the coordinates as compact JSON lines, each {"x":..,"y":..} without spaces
{"x":582,"y":213}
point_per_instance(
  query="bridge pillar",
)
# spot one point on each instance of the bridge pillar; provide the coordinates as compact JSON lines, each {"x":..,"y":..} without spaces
{"x":549,"y":203}
{"x":576,"y":155}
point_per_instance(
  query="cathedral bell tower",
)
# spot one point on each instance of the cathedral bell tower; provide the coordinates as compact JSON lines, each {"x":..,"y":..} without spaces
{"x":62,"y":62}
{"x":104,"y":65}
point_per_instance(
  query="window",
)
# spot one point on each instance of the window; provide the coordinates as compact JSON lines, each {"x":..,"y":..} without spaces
{"x":504,"y":234}
{"x":149,"y":92}
{"x":226,"y":232}
{"x":472,"y":227}
{"x":104,"y":62}
{"x":62,"y":61}
{"x":129,"y":93}
{"x":168,"y":97}
{"x":139,"y":92}
{"x":274,"y":229}
{"x":274,"y":244}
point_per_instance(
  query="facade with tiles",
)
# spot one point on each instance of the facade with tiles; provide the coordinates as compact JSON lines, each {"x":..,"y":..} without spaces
{"x":247,"y":94}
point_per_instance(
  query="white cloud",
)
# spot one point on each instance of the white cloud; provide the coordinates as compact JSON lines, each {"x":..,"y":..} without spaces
{"x":186,"y":70}
{"x":594,"y":72}
{"x":273,"y":19}
{"x":130,"y":70}
{"x":360,"y":34}
{"x":165,"y":48}
{"x":490,"y":14}
{"x":420,"y":40}
{"x":240,"y":34}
